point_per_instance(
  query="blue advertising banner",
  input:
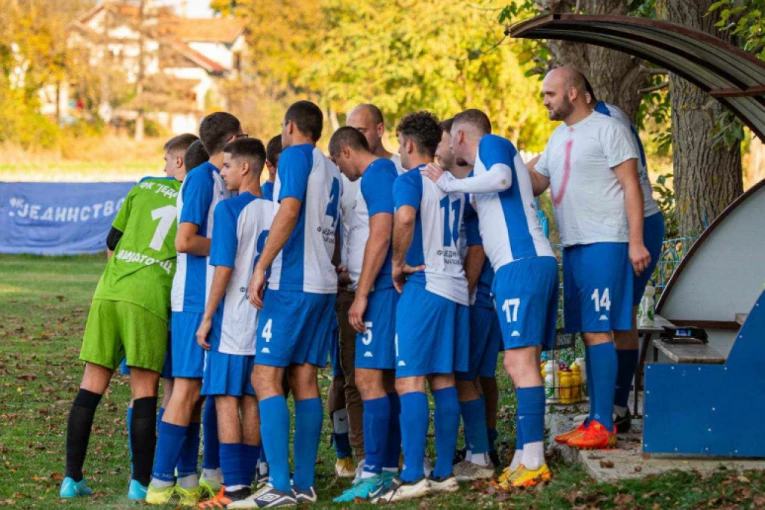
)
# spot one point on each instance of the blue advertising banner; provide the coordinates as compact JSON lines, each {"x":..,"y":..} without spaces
{"x":58,"y":218}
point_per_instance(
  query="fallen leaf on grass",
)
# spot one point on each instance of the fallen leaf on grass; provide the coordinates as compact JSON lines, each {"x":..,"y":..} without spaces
{"x":606,"y":464}
{"x":56,"y":476}
{"x":743,"y":479}
{"x":26,"y":377}
{"x":623,"y":499}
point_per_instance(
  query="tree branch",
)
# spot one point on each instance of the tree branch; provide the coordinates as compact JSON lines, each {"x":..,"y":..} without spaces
{"x":655,"y":87}
{"x":653,"y":70}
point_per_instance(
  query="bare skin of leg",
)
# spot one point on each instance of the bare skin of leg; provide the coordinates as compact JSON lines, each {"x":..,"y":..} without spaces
{"x":304,"y":381}
{"x":184,"y":402}
{"x":628,"y":340}
{"x":250,"y":421}
{"x":229,"y":425}
{"x":406,"y":385}
{"x":143,"y":383}
{"x":441,"y":381}
{"x":167,"y":391}
{"x":371,"y":383}
{"x":96,"y":378}
{"x":522,"y":365}
{"x":467,"y":391}
{"x":491,"y":392}
{"x":267,"y":381}
{"x":591,"y":339}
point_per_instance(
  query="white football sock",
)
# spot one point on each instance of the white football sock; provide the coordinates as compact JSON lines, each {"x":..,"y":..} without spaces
{"x":161,"y":484}
{"x":517,"y":458}
{"x":534,"y":455}
{"x":189,"y":482}
{"x":620,"y":411}
{"x":468,"y":455}
{"x":210,"y":474}
{"x":480,"y":459}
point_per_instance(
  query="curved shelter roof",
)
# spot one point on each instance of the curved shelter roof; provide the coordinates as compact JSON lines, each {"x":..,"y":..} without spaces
{"x":732,"y":76}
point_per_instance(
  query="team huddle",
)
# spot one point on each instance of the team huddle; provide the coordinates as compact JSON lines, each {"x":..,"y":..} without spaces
{"x":405,"y":269}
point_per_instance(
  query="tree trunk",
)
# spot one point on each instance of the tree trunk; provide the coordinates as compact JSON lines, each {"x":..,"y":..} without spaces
{"x":615,"y":76}
{"x":707,"y":177}
{"x":756,"y":167}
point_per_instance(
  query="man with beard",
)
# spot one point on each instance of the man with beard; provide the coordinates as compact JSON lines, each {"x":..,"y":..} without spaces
{"x":590,"y":163}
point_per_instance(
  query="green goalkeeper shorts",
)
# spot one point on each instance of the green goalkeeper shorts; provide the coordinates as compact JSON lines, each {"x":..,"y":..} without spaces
{"x":117,"y":329}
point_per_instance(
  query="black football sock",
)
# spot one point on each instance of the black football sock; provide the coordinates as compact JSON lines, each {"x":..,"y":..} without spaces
{"x":143,"y":433}
{"x":78,"y":431}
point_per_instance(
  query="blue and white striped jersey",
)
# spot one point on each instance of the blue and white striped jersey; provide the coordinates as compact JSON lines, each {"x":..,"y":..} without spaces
{"x":649,"y":204}
{"x":241,"y":228}
{"x":375,"y":196}
{"x":508,"y":219}
{"x":436,"y":235}
{"x":201,"y":191}
{"x":305,"y":262}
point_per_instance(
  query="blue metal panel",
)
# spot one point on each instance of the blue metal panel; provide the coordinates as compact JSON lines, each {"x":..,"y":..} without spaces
{"x":711,"y":409}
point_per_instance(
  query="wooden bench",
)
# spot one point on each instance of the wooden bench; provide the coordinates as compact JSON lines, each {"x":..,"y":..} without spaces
{"x":688,"y":353}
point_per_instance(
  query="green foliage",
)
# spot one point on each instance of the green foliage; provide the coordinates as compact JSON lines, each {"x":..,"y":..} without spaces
{"x":665,"y":199}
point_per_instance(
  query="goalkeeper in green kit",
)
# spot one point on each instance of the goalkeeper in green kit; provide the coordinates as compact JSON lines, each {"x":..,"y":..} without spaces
{"x":129,"y":319}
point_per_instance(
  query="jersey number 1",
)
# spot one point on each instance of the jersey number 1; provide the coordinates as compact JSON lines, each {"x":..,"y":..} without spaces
{"x":166,"y":216}
{"x":451,"y":225}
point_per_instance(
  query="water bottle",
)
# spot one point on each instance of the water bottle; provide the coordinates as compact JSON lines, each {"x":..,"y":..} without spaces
{"x":645,"y":314}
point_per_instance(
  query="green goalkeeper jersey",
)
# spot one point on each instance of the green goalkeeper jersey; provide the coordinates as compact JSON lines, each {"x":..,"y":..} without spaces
{"x":142,"y":267}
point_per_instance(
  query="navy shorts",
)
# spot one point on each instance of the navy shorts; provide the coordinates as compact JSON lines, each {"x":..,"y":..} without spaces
{"x":188,"y":358}
{"x":485,"y":339}
{"x":526,"y":293}
{"x":227,"y":374}
{"x":653,"y":238}
{"x":597,"y":288}
{"x":294,"y":328}
{"x":432,"y":334}
{"x":376,"y":347}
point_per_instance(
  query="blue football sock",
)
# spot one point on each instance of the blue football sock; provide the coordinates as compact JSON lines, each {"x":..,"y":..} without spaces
{"x":211,"y":459}
{"x":169,"y":443}
{"x":275,"y":431}
{"x":249,"y":459}
{"x":628,"y":362}
{"x":308,"y":418}
{"x":230,"y":464}
{"x":492,"y":435}
{"x":188,"y":459}
{"x":376,"y":420}
{"x":414,"y":434}
{"x":531,"y":413}
{"x":590,"y":384}
{"x":130,"y":440}
{"x":447,"y":424}
{"x":160,"y":414}
{"x":393,"y":443}
{"x":518,"y":431}
{"x":474,"y":418}
{"x":604,"y":366}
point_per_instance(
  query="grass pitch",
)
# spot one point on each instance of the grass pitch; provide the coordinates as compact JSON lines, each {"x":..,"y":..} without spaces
{"x":44,"y":304}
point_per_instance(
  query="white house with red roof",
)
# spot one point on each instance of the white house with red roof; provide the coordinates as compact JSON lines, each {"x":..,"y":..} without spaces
{"x":186,"y":60}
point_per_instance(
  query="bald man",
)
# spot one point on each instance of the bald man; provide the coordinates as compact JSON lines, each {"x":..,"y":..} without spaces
{"x":368,"y":119}
{"x":590,"y":164}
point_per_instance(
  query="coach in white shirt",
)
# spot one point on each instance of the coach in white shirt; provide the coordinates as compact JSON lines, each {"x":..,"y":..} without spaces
{"x":590,"y":164}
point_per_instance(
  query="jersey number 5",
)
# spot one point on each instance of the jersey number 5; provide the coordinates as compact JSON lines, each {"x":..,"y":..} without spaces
{"x":166,"y":216}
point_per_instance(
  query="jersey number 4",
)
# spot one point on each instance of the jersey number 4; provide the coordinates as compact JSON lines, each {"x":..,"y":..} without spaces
{"x":166,"y":217}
